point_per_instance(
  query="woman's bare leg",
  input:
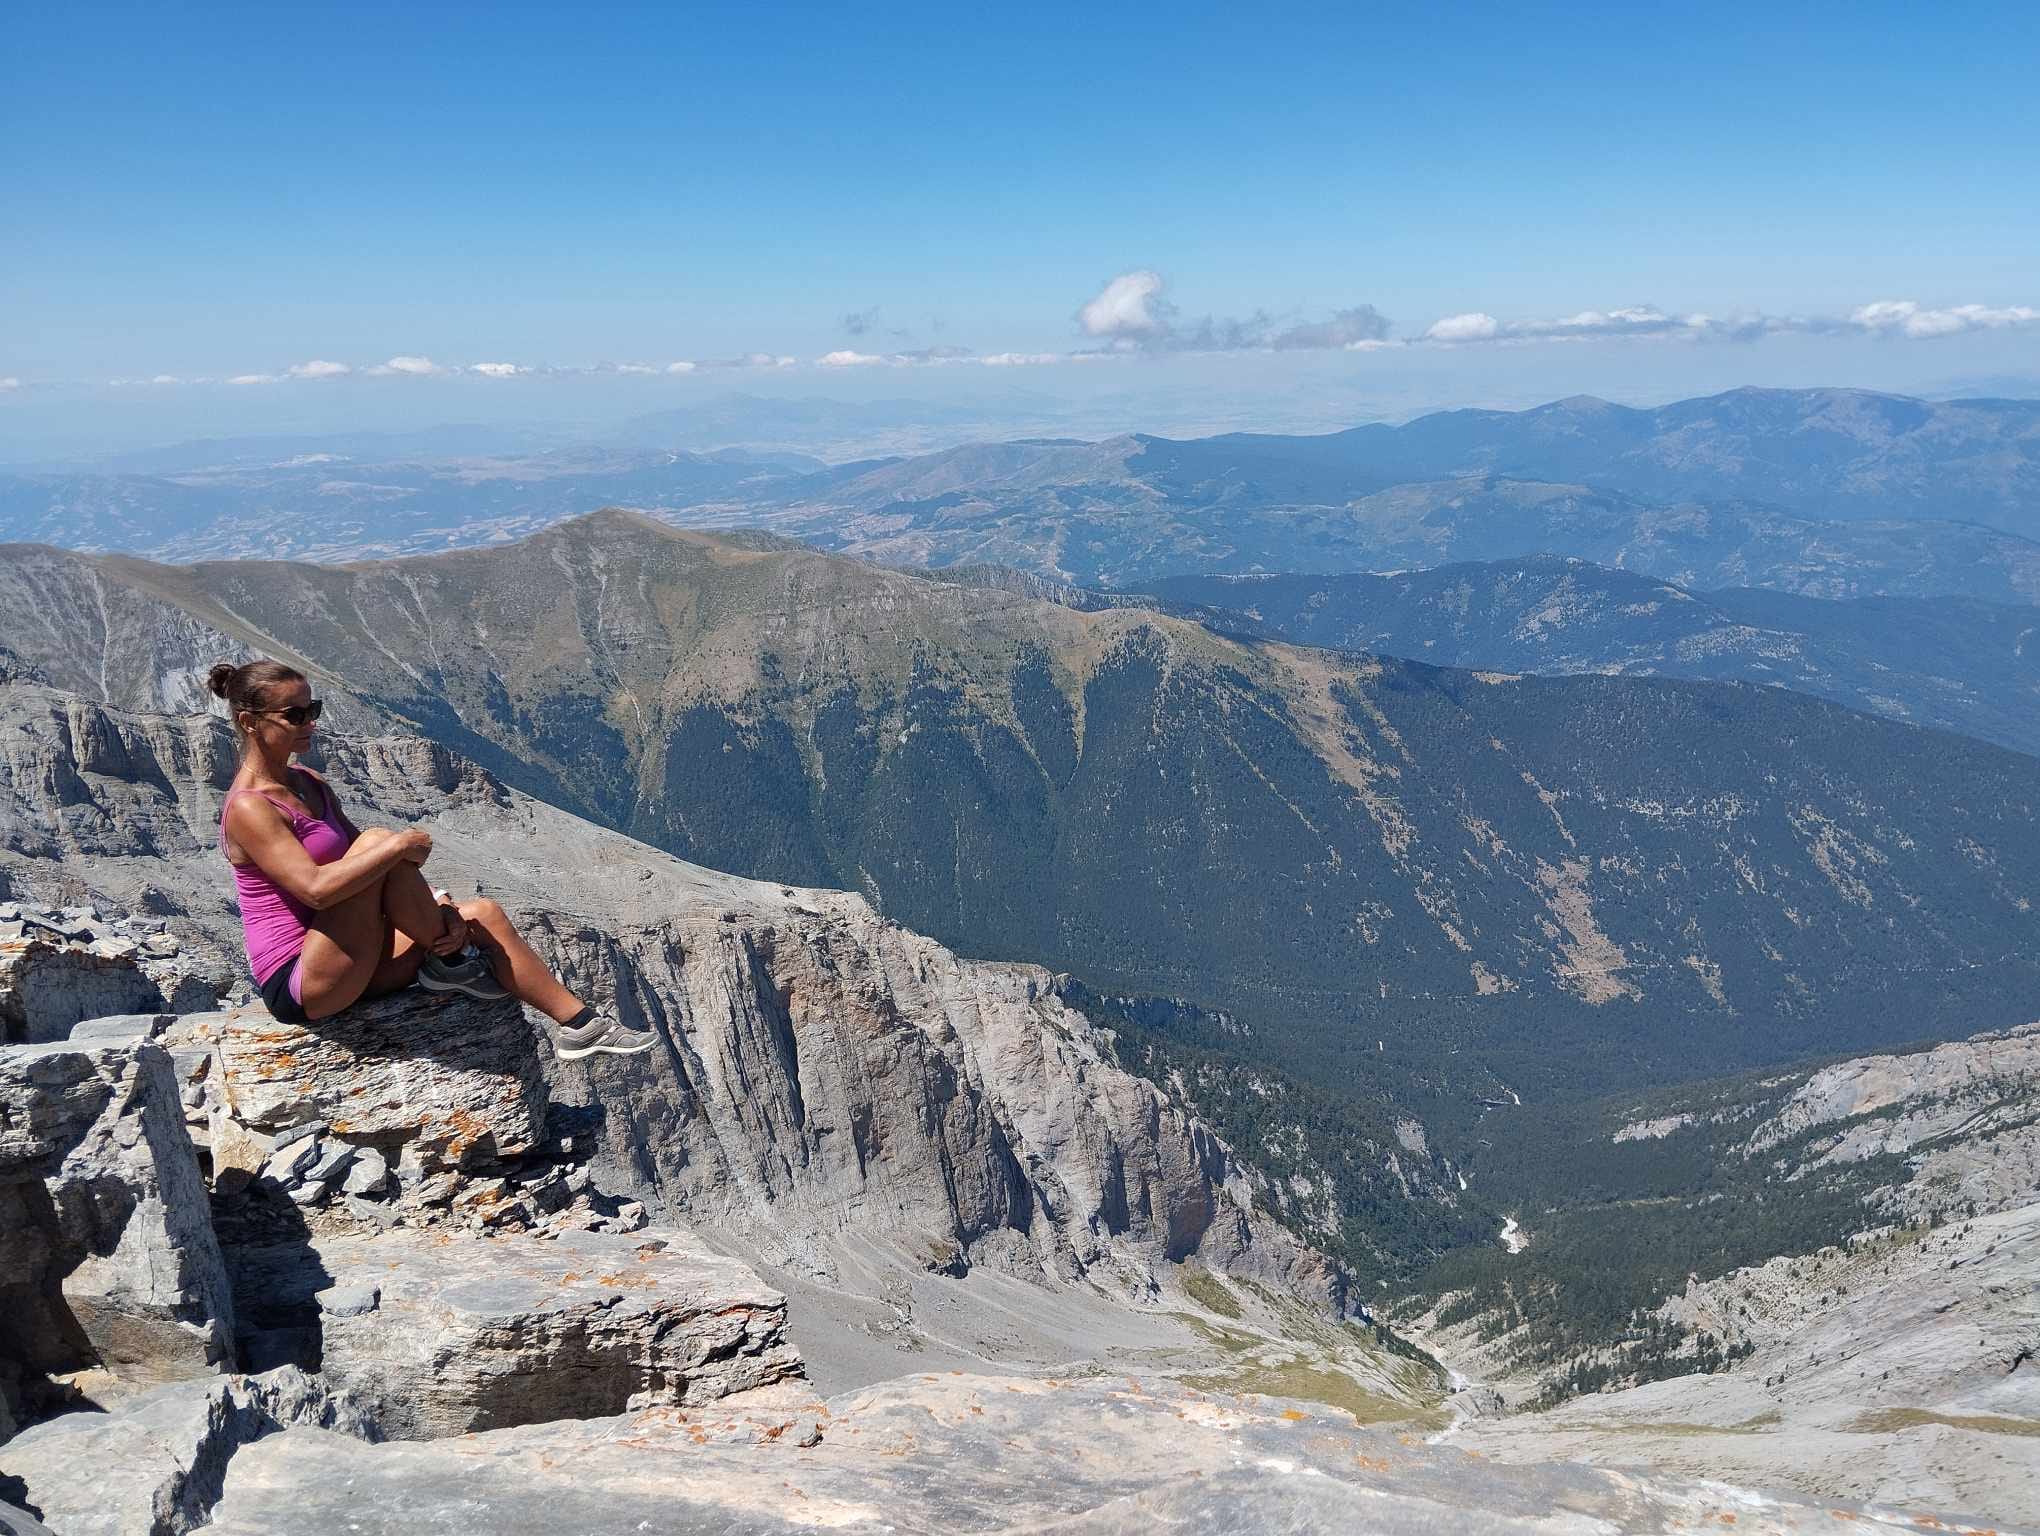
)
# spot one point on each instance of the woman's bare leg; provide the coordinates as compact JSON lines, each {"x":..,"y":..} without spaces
{"x":517,"y":965}
{"x":373,"y":942}
{"x":408,"y":903}
{"x":345,"y":945}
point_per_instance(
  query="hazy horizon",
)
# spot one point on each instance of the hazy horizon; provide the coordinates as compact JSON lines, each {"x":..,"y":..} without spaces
{"x":242,"y":221}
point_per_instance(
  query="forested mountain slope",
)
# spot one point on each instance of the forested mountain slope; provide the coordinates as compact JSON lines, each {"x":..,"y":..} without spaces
{"x":1952,"y":663}
{"x":1545,"y":884}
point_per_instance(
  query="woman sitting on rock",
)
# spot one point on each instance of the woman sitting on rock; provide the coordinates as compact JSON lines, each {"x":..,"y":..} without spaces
{"x":333,"y":913}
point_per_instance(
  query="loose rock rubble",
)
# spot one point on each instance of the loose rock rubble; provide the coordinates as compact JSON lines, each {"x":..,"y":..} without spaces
{"x":62,"y":965}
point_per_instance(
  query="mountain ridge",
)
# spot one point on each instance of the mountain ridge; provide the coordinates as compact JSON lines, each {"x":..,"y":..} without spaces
{"x":1831,"y":492}
{"x":1346,"y":842}
{"x":1951,"y":663}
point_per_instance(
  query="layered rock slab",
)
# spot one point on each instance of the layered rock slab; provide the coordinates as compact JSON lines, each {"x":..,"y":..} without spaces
{"x":155,"y":1467}
{"x":956,"y":1454}
{"x":107,"y":1253}
{"x":48,"y":986}
{"x":441,"y":1079}
{"x":441,"y":1333}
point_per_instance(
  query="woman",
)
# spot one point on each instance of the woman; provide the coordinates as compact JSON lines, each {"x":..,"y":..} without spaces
{"x":333,"y":914}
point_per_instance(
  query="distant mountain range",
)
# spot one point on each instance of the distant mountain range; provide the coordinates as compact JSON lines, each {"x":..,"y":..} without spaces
{"x":1831,"y":493}
{"x":1952,"y":663}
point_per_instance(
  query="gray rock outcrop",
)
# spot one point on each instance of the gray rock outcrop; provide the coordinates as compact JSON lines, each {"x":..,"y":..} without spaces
{"x":436,"y":1081}
{"x":107,"y":1252}
{"x":155,"y":1467}
{"x":15,"y":1521}
{"x":442,"y":1334}
{"x":47,"y":987}
{"x":59,"y":967}
{"x":1901,"y":1369}
{"x":951,"y":1454}
{"x":832,"y":1073}
{"x":1966,"y":1114}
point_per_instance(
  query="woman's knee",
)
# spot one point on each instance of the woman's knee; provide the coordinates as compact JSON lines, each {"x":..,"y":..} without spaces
{"x":486,"y":912}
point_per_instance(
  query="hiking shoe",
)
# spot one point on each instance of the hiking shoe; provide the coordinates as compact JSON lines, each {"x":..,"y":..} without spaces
{"x":603,"y":1032}
{"x":468,"y":972}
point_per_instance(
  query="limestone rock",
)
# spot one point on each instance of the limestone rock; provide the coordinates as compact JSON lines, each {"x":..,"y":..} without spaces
{"x":156,"y":1465}
{"x":18,"y":1522}
{"x":450,"y":1080}
{"x":947,"y":1455}
{"x":833,"y":1074}
{"x":367,"y":1174}
{"x":47,"y":986}
{"x":473,"y":1333}
{"x":107,"y":1251}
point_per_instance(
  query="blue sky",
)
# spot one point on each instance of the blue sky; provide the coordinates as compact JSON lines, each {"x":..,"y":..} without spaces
{"x":224,"y":192}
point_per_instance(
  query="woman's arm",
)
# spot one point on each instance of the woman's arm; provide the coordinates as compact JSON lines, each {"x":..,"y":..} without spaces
{"x":267,"y":840}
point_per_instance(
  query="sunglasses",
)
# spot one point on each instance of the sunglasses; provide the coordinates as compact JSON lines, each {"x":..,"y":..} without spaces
{"x":299,"y":714}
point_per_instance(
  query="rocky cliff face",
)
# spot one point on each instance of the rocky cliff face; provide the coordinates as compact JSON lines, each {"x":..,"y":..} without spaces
{"x":107,"y":1255}
{"x":822,"y":1072}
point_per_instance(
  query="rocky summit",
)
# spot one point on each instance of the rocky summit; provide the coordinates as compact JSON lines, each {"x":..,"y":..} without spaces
{"x":874,"y":1236}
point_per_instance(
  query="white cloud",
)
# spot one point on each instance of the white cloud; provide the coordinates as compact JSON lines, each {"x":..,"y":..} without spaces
{"x":1019,"y":359}
{"x":920,"y":357}
{"x":1129,"y":306}
{"x":497,"y":370}
{"x":318,"y":368}
{"x":1355,"y":329}
{"x":166,"y":378}
{"x":1889,"y":317}
{"x":10,"y":383}
{"x":1472,"y":326}
{"x":253,"y":378}
{"x":682,"y":367}
{"x":1907,"y":318}
{"x":415,"y":366}
{"x":745,"y":360}
{"x":1131,"y":313}
{"x":631,"y":368}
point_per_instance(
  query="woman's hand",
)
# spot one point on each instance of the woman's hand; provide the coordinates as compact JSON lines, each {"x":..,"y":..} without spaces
{"x":454,"y":940}
{"x":417,"y":844}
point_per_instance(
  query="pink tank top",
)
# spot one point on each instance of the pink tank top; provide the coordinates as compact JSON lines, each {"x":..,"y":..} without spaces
{"x":273,"y":921}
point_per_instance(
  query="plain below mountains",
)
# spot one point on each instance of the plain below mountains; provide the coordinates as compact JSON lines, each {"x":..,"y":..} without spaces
{"x":1407,"y":883}
{"x":1952,"y":663}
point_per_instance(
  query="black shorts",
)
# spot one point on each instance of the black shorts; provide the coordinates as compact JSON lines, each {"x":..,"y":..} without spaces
{"x":276,"y":997}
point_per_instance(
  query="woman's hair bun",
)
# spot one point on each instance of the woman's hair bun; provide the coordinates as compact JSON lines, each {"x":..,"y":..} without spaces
{"x":220,"y":678}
